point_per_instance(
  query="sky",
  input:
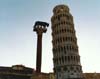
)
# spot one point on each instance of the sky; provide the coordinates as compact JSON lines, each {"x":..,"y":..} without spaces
{"x":18,"y":42}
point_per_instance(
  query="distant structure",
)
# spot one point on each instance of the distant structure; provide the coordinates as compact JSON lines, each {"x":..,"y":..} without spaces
{"x":65,"y":49}
{"x":16,"y":72}
{"x":40,"y":28}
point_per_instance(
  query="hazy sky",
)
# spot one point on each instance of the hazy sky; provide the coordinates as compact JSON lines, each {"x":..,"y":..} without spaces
{"x":18,"y":41}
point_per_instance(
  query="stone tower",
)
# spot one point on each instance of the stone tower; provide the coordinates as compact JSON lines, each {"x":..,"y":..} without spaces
{"x":66,"y":57}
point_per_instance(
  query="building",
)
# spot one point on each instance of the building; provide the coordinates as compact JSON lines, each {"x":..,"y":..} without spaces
{"x":66,"y":57}
{"x":22,"y":72}
{"x":16,"y":72}
{"x":91,"y":75}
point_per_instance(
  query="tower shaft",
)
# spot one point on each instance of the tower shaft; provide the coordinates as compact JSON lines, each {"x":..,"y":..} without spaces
{"x":39,"y":53}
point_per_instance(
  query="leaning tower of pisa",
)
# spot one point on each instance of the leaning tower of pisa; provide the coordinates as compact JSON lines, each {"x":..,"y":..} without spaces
{"x":66,"y":57}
